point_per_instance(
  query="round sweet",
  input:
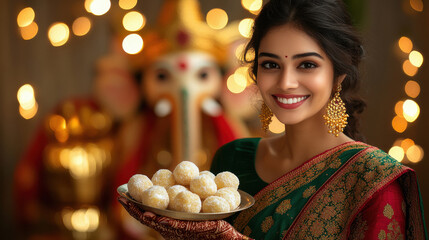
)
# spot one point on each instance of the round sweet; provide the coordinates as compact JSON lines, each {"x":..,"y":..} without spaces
{"x":163,"y":177}
{"x":156,"y":196}
{"x":137,"y":184}
{"x":203,"y":185}
{"x":186,"y":201}
{"x":174,"y":190}
{"x":207,"y":173}
{"x":185,"y":171}
{"x":215,"y":204}
{"x":226,"y":179}
{"x":231,"y":195}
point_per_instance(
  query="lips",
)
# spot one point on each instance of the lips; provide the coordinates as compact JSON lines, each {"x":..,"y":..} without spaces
{"x":290,"y":101}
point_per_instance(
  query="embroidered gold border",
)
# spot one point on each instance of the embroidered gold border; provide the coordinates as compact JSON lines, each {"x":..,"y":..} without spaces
{"x":292,"y":181}
{"x":333,"y":194}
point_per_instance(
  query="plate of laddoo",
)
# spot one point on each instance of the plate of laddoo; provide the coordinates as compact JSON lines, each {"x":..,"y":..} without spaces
{"x":186,"y":193}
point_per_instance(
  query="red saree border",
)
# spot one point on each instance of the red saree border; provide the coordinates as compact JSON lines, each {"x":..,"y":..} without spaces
{"x":308,"y":223}
{"x":290,"y":181}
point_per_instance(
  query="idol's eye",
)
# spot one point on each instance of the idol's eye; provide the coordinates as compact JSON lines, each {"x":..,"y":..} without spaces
{"x":269,"y":65}
{"x":307,"y":65}
{"x":162,"y":75}
{"x":203,"y":74}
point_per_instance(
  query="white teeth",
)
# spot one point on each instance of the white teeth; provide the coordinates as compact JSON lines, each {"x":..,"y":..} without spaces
{"x":290,"y":100}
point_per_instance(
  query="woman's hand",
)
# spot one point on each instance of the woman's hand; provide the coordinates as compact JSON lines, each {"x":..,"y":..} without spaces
{"x":181,"y":229}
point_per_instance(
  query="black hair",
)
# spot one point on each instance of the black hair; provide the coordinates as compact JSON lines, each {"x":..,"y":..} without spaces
{"x":329,"y":23}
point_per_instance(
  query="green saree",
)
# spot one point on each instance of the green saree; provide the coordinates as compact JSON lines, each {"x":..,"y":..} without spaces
{"x":321,"y":198}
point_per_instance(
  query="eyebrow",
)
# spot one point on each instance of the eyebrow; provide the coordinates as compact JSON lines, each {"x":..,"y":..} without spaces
{"x":301,"y":55}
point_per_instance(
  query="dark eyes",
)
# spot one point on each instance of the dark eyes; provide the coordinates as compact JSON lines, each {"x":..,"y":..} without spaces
{"x":307,"y":65}
{"x":273,"y":65}
{"x":269,"y":65}
{"x":203,"y":74}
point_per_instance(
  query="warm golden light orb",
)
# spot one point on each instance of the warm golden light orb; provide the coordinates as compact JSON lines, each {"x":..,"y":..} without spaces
{"x":81,"y":26}
{"x":245,"y":27}
{"x":417,"y":5}
{"x":415,"y":153}
{"x":127,"y":4}
{"x":236,"y":83}
{"x":399,"y":124}
{"x":409,"y":68}
{"x":58,"y":34}
{"x":133,"y":21}
{"x":416,"y":58}
{"x":412,"y":89}
{"x":397,"y":153}
{"x":276,"y":126}
{"x":217,"y":18}
{"x":411,"y":110}
{"x":30,"y":31}
{"x":405,"y":44}
{"x":99,"y":7}
{"x":25,"y":17}
{"x":132,"y":44}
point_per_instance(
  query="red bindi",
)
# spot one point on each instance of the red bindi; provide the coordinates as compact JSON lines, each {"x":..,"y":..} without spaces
{"x":183,"y":65}
{"x":286,"y":56}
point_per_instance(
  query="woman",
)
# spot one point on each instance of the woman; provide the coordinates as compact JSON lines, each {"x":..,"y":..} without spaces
{"x":315,"y":181}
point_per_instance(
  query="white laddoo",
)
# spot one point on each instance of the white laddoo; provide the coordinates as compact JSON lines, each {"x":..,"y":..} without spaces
{"x":174,"y":190}
{"x":156,"y":196}
{"x":137,"y":184}
{"x":207,"y":173}
{"x":186,"y":201}
{"x":184,"y":172}
{"x":215,"y":204}
{"x":226,"y":179}
{"x":163,"y":177}
{"x":203,"y":185}
{"x":231,"y":195}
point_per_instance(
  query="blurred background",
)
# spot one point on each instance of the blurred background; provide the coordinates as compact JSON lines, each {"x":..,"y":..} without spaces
{"x":94,"y":91}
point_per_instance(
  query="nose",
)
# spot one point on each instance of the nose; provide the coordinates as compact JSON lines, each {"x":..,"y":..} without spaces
{"x":288,"y":79}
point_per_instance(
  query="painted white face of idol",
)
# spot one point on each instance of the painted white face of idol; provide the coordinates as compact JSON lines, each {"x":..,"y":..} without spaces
{"x":295,"y":76}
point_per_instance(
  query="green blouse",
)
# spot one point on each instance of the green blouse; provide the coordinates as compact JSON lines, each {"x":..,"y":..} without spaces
{"x":238,"y":157}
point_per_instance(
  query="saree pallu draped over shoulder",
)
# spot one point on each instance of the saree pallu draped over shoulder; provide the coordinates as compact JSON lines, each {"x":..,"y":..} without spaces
{"x":321,"y":198}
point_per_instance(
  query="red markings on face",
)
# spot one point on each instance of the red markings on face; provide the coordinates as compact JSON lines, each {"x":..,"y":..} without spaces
{"x":286,"y":56}
{"x":182,"y":64}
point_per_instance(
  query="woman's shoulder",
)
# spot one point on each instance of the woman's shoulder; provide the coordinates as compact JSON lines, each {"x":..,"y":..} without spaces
{"x":374,"y":157}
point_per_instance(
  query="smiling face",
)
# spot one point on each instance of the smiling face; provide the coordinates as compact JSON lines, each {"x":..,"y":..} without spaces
{"x":295,"y":76}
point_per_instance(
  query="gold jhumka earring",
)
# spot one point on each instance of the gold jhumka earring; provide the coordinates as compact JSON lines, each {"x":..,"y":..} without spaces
{"x":336,"y":116}
{"x":265,"y":117}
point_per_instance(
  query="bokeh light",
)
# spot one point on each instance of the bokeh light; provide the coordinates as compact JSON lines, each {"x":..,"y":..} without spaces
{"x":132,"y":44}
{"x":405,"y":44}
{"x":81,"y":26}
{"x":416,"y":58}
{"x":127,"y":4}
{"x":399,"y":124}
{"x":133,"y":21}
{"x":245,"y":27}
{"x":25,"y":96}
{"x":411,"y":110}
{"x":398,"y":108}
{"x":97,"y":7}
{"x":412,"y":89}
{"x":30,"y":31}
{"x":217,"y":18}
{"x":58,"y":34}
{"x":417,"y":5}
{"x":81,"y":220}
{"x":236,"y":83}
{"x":415,"y":153}
{"x":28,"y":113}
{"x":253,"y":6}
{"x":25,"y":17}
{"x":407,"y":143}
{"x":397,"y":153}
{"x":409,"y":68}
{"x":276,"y":126}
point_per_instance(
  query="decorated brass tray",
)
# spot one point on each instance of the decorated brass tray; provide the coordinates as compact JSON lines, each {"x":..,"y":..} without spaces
{"x":246,"y":202}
